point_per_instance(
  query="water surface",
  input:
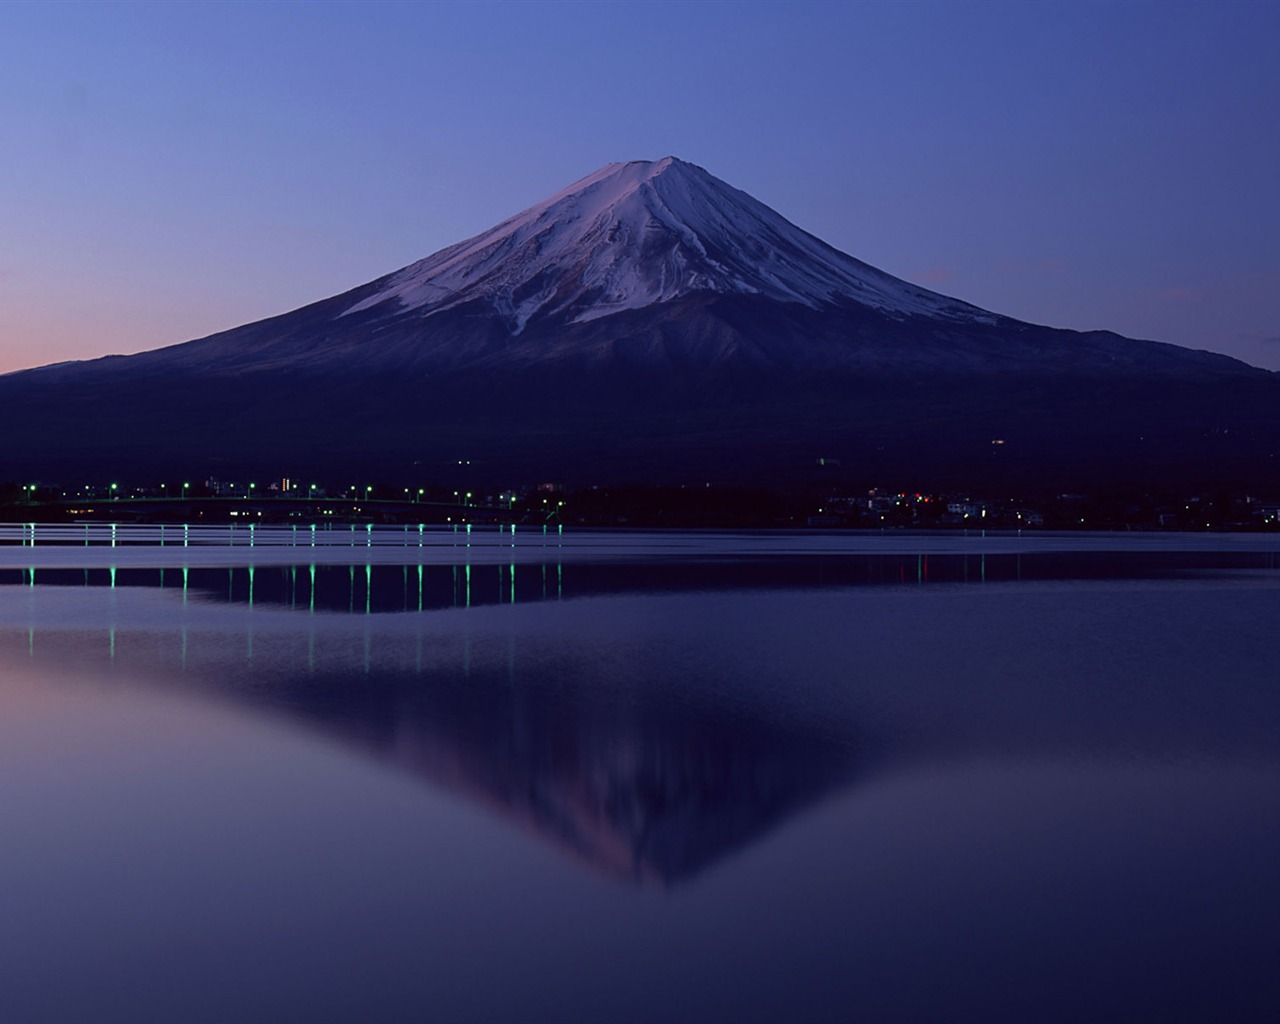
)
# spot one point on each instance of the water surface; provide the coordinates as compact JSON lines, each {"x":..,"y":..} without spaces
{"x":694,"y":778}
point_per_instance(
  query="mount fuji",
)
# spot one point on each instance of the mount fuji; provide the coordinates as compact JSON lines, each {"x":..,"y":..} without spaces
{"x":650,"y":323}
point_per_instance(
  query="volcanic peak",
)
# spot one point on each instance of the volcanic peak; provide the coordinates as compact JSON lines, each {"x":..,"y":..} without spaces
{"x":635,"y":234}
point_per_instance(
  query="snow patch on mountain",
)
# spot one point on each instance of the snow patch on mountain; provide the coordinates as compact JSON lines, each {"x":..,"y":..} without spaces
{"x":635,"y":234}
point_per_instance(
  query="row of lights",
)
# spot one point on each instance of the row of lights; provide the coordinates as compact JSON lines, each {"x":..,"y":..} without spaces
{"x":465,"y":497}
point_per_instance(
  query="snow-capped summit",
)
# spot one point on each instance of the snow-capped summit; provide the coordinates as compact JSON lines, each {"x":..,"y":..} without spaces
{"x":635,"y":234}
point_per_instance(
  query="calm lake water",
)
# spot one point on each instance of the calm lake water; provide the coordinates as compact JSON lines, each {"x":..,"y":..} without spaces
{"x":643,"y":777}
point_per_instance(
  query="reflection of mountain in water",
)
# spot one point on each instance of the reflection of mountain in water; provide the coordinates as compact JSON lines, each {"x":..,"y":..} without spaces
{"x":637,"y":785}
{"x":647,"y":763}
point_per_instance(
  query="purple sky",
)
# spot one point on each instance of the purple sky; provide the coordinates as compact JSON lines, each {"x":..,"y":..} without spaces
{"x":172,"y":170}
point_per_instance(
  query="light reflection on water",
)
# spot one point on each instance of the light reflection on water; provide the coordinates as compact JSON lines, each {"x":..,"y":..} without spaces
{"x":810,"y":789}
{"x":399,"y":586}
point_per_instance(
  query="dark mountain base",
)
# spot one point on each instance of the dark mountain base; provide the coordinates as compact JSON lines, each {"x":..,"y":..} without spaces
{"x":1015,"y":431}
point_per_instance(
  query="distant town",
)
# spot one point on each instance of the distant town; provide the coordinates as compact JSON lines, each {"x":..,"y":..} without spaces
{"x":286,"y":500}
